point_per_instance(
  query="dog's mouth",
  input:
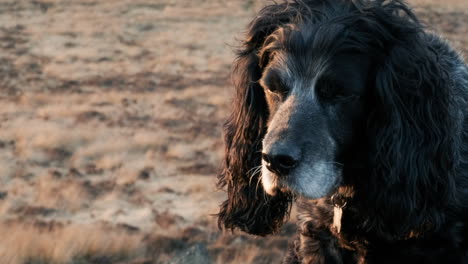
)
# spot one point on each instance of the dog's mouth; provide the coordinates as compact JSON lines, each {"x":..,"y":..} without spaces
{"x":273,"y":186}
{"x":313,"y":182}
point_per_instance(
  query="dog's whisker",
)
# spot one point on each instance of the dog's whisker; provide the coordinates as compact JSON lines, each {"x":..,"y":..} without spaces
{"x":253,"y":172}
{"x":258,"y":182}
{"x":265,"y":198}
{"x":254,"y":168}
{"x":334,"y":163}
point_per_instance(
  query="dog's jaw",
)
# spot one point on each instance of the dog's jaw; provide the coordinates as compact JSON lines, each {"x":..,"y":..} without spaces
{"x":269,"y":181}
{"x":312,"y":182}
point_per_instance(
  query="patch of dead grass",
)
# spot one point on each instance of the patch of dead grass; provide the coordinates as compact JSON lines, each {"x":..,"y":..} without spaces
{"x":26,"y":242}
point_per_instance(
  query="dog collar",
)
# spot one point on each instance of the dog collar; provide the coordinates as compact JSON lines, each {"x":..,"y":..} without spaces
{"x":340,"y":201}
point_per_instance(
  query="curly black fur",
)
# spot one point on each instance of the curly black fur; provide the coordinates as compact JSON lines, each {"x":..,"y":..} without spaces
{"x":406,"y":184}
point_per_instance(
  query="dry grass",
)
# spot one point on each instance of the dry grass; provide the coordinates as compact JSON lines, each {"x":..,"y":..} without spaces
{"x":452,"y":4}
{"x":66,"y":243}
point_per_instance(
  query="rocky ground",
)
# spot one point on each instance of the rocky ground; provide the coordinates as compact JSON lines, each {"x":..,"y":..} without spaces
{"x":110,"y":128}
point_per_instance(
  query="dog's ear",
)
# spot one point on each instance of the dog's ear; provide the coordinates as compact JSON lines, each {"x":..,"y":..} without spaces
{"x":248,"y":207}
{"x":411,"y":130}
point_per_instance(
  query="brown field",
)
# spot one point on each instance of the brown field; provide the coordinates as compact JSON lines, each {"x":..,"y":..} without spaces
{"x":110,"y":128}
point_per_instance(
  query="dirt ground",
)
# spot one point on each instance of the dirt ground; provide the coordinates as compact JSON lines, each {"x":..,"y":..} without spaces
{"x":110,"y":128}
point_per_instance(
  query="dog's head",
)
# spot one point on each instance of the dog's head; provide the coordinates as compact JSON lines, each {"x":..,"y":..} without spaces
{"x":324,"y":86}
{"x":315,"y":86}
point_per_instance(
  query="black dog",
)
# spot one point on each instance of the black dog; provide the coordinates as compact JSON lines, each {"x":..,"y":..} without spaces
{"x":351,"y":109}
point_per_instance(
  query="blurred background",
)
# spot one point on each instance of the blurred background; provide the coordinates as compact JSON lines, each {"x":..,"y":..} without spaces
{"x":110,"y":128}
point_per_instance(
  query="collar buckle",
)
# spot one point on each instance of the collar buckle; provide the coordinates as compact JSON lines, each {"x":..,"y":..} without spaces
{"x":338,"y":201}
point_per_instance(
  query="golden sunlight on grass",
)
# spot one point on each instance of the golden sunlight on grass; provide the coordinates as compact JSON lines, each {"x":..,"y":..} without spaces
{"x":64,"y":244}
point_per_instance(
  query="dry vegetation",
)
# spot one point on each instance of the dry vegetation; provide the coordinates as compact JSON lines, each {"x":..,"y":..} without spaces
{"x":110,"y":128}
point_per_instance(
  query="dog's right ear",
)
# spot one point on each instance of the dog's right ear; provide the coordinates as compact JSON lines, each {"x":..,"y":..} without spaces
{"x":248,"y":207}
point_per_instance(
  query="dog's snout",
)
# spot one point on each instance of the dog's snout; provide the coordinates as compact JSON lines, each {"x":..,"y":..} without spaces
{"x":281,"y":161}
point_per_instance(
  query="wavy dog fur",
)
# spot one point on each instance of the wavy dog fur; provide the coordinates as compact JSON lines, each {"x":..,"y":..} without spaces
{"x":407,"y":184}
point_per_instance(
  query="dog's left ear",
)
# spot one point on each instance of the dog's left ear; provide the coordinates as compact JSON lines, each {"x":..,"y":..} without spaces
{"x":412,"y":129}
{"x":248,"y":207}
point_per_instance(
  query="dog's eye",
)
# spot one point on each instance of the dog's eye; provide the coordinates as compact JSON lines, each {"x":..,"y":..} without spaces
{"x":327,"y":90}
{"x":277,"y":88}
{"x":274,"y":84}
{"x":332,"y":91}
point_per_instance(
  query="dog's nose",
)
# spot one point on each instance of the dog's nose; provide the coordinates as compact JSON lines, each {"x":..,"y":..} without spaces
{"x":281,"y":162}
